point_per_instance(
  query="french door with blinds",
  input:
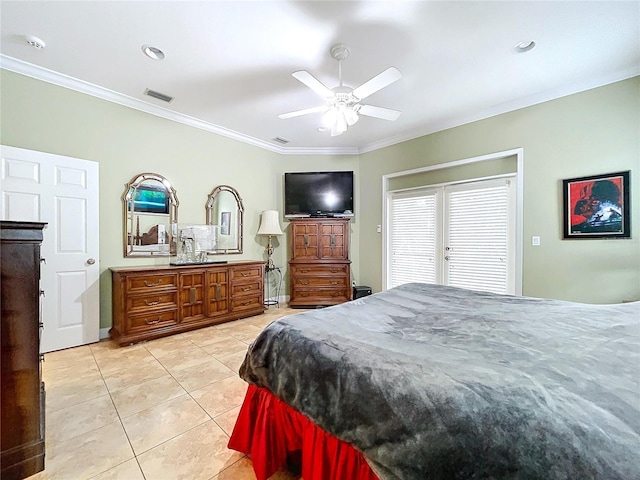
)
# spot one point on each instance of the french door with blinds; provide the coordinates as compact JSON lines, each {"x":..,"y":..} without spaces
{"x":462,"y":235}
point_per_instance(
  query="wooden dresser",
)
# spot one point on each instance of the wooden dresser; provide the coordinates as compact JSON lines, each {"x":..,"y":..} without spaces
{"x":22,"y":441}
{"x":319,"y":269}
{"x":152,"y":302}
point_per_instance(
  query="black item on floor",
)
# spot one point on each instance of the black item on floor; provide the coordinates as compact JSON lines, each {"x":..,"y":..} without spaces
{"x":361,"y":291}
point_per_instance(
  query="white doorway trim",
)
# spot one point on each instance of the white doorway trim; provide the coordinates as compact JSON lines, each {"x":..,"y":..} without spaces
{"x":517,"y":152}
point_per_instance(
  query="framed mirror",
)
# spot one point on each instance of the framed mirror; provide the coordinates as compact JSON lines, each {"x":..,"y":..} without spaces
{"x":225,"y":210}
{"x":150,"y":216}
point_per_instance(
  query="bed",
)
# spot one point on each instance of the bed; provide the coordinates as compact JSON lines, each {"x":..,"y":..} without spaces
{"x":433,"y":382}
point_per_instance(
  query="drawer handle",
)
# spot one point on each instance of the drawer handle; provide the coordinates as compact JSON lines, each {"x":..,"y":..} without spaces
{"x":334,"y":283}
{"x":151,"y":304}
{"x":335,"y":270}
{"x":153,"y":322}
{"x":244,"y":304}
{"x":153,"y":284}
{"x":245,"y":274}
{"x":246,"y":289}
{"x":336,"y":294}
{"x":305,"y":270}
{"x":304,"y":282}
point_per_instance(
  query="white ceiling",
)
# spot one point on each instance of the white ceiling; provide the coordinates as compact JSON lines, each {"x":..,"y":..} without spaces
{"x":229,"y":63}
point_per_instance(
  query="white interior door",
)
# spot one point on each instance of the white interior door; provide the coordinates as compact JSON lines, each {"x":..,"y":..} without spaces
{"x":63,"y":192}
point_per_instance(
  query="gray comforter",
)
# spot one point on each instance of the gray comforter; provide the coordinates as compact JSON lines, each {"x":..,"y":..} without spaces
{"x":434,"y":382}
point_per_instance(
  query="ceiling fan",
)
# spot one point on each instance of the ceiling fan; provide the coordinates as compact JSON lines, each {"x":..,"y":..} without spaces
{"x":342,"y":104}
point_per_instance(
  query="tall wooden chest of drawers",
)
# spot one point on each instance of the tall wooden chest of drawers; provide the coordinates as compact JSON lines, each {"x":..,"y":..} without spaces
{"x":319,"y":269}
{"x":152,"y":302}
{"x":22,"y":441}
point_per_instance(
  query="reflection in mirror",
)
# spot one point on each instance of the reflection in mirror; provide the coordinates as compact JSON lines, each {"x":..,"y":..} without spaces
{"x":225,"y":210}
{"x":150,"y":214}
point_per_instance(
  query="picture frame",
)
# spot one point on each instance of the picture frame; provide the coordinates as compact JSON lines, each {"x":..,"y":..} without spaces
{"x":225,"y":223}
{"x":597,"y":206}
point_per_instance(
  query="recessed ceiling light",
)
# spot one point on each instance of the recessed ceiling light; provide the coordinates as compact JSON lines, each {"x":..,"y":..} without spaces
{"x":525,"y":46}
{"x":153,"y":52}
{"x":35,"y":42}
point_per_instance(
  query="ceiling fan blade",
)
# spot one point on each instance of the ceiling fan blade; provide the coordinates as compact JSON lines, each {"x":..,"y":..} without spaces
{"x":379,"y":112}
{"x":390,"y":75}
{"x":298,"y":113}
{"x":313,"y":83}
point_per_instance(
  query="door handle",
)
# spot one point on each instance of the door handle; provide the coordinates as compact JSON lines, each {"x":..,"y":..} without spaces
{"x":91,"y":261}
{"x":306,"y":240}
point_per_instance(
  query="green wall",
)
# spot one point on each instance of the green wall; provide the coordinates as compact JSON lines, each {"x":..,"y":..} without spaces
{"x":593,"y":132}
{"x":597,"y":131}
{"x":125,"y":142}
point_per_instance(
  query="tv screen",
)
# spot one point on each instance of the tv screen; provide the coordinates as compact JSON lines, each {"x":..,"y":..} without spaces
{"x":318,"y":193}
{"x":151,"y":199}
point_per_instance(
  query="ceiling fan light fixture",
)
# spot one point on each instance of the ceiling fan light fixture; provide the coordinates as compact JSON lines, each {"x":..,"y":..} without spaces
{"x":351,"y":116}
{"x":342,"y":107}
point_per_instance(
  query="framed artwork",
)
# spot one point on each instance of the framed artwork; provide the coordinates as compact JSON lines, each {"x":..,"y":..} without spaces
{"x":597,"y":206}
{"x":225,"y":223}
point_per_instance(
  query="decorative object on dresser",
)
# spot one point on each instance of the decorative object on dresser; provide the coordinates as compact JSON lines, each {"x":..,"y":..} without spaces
{"x":269,"y":226}
{"x":22,"y":440}
{"x":319,"y":269}
{"x":156,"y":301}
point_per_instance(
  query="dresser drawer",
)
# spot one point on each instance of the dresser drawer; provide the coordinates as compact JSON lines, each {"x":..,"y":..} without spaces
{"x":246,"y":303}
{"x":316,"y":270}
{"x":144,"y":303}
{"x":320,"y":295}
{"x":318,"y":281}
{"x":152,"y":320}
{"x":244,"y":289}
{"x":145,"y":283}
{"x":243,"y":274}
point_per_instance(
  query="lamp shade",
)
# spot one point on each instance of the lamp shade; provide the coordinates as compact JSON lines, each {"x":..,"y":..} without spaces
{"x":269,"y":223}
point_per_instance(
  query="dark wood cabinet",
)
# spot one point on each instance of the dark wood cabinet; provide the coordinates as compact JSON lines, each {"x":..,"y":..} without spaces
{"x":319,"y":269}
{"x":22,"y":439}
{"x":153,"y":302}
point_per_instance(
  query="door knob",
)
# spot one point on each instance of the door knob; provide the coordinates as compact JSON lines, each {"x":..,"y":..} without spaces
{"x":91,"y":261}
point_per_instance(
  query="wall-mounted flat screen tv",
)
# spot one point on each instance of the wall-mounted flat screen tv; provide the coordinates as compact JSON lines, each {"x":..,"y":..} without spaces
{"x":151,"y":199}
{"x":318,"y":194}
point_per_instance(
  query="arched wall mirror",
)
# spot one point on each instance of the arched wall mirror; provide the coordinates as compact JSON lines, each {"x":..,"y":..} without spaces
{"x":225,"y":210}
{"x":150,"y":215}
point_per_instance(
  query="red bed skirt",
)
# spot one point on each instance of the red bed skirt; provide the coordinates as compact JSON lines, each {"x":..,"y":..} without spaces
{"x":271,"y":432}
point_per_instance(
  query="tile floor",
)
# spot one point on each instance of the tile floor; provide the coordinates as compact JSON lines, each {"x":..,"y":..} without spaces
{"x":157,"y":410}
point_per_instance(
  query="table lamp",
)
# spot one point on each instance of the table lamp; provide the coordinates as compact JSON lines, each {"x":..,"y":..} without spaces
{"x":270,"y":226}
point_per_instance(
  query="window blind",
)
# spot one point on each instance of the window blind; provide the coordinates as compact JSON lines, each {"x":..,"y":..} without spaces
{"x":477,"y":236}
{"x":412,"y":237}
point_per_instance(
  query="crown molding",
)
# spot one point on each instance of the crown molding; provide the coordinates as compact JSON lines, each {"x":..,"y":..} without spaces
{"x":506,"y":107}
{"x":46,"y":75}
{"x":50,"y":76}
